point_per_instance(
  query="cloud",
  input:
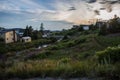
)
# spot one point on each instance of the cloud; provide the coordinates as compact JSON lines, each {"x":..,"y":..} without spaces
{"x":75,"y":11}
{"x":88,"y":9}
{"x":80,"y":12}
{"x":63,"y":13}
{"x":21,"y":6}
{"x":8,"y":7}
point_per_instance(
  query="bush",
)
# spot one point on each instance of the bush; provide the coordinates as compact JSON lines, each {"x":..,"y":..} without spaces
{"x":109,"y":55}
{"x":4,"y":48}
{"x":65,"y":60}
{"x":103,"y":30}
{"x":108,"y":41}
{"x":69,"y":44}
{"x":83,"y":56}
{"x":42,"y":55}
{"x":78,"y":41}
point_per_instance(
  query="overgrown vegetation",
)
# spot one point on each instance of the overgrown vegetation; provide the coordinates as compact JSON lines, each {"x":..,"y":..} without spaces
{"x":58,"y":61}
{"x":108,"y":41}
{"x":82,"y":54}
{"x":4,"y":48}
{"x":109,"y":55}
{"x":112,"y":26}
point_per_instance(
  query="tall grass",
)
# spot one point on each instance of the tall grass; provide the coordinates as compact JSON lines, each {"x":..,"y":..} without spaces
{"x":62,"y":68}
{"x":48,"y":68}
{"x":111,"y":55}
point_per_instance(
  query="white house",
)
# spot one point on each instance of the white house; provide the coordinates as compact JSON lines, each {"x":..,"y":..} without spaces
{"x":85,"y":27}
{"x":26,"y":39}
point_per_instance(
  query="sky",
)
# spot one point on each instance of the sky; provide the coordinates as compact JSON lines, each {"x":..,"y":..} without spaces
{"x":55,"y":14}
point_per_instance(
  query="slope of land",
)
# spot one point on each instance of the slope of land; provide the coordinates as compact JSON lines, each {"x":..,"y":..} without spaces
{"x":74,"y":56}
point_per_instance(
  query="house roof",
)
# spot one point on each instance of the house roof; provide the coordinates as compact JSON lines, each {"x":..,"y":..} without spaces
{"x":84,"y":25}
{"x":27,"y":37}
{"x":6,"y":30}
{"x":13,"y":29}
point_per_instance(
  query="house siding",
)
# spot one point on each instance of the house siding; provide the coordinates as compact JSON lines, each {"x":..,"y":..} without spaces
{"x":10,"y":37}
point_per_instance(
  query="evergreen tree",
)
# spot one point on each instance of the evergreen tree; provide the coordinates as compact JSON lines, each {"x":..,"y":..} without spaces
{"x":1,"y":28}
{"x":28,"y":31}
{"x":41,"y":28}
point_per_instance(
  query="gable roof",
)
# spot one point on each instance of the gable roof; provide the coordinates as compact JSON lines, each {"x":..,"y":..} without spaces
{"x":84,"y":25}
{"x":26,"y":37}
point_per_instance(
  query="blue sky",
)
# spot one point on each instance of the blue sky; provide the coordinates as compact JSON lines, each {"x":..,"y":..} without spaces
{"x":19,"y":13}
{"x":55,"y":14}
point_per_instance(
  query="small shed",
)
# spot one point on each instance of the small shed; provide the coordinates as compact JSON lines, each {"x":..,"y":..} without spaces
{"x":26,"y":39}
{"x":85,"y":27}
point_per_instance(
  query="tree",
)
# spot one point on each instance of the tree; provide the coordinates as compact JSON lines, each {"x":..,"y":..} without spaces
{"x":37,"y":35}
{"x":28,"y":31}
{"x":1,"y":28}
{"x":41,"y":28}
{"x":103,"y":30}
{"x":114,"y":25}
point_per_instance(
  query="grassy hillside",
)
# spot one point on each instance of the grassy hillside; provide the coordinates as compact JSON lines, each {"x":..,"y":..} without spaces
{"x":76,"y":56}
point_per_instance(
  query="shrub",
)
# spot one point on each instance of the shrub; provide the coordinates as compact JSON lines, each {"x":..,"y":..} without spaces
{"x":64,"y":60}
{"x":105,"y":70}
{"x":69,"y":44}
{"x":83,"y":56}
{"x":78,"y":41}
{"x":41,"y":55}
{"x":108,"y":41}
{"x":54,"y":47}
{"x":65,"y":37}
{"x":109,"y":55}
{"x":4,"y":48}
{"x":103,"y":30}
